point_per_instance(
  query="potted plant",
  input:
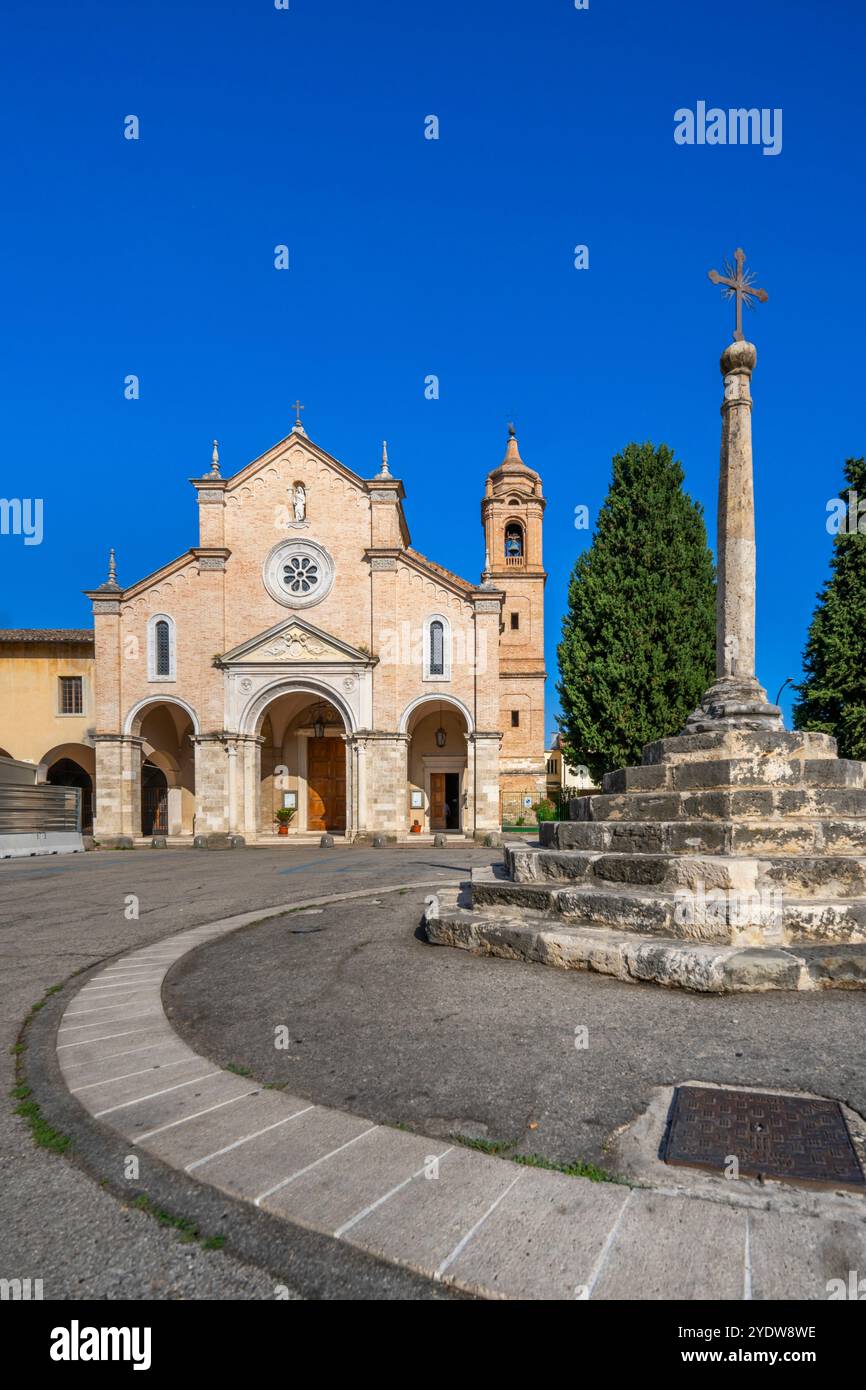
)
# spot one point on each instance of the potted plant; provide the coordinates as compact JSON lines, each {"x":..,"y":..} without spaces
{"x":415,"y":828}
{"x":284,"y":818}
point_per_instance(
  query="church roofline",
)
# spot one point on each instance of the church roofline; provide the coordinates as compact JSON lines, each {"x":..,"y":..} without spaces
{"x":249,"y":469}
{"x":133,"y":590}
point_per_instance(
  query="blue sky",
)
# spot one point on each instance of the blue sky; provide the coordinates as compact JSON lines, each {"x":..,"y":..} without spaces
{"x":412,"y":257}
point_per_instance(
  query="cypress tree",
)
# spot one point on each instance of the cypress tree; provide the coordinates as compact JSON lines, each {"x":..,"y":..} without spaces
{"x":832,"y":695}
{"x":638,"y":638}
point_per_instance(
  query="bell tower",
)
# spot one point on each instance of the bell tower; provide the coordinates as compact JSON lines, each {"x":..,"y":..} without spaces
{"x":512,"y":514}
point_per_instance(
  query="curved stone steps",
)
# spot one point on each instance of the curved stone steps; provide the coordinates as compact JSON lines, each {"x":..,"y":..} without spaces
{"x":800,"y":876}
{"x":741,"y":917}
{"x":758,"y":771}
{"x":639,"y":958}
{"x":753,"y":803}
{"x":749,"y":837}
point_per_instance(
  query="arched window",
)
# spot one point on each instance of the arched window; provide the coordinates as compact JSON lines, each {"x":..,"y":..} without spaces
{"x":162,"y":636}
{"x":160,"y":648}
{"x":437,"y":648}
{"x":514,"y":541}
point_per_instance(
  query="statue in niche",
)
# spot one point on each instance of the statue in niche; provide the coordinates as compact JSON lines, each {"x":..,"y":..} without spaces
{"x":299,"y":502}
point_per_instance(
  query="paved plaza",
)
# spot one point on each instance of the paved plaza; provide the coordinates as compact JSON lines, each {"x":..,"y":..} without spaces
{"x":344,"y":1119}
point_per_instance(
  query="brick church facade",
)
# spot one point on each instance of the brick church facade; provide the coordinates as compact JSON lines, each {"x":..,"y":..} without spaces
{"x":304,"y":656}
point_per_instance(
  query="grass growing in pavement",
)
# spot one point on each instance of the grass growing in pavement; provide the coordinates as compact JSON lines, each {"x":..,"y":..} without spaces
{"x":500,"y":1149}
{"x":571,"y":1170}
{"x":238,"y":1070}
{"x":484,"y":1146}
{"x":187,"y":1230}
{"x":44,"y":1135}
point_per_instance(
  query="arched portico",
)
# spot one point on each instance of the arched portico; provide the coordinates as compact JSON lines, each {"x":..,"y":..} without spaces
{"x":439,"y":788}
{"x":134,"y":717}
{"x":146,"y":775}
{"x":303,"y":741}
{"x":72,"y":765}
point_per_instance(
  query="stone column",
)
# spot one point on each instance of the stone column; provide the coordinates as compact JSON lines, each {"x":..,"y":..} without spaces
{"x":211,"y":790}
{"x":483,"y":773}
{"x":175,"y":809}
{"x":118,"y":785}
{"x":736,"y":700}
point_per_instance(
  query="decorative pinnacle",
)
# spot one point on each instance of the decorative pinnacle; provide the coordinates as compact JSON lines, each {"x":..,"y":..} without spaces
{"x":215,"y":461}
{"x":111,"y":581}
{"x":739,"y":283}
{"x":384,"y":472}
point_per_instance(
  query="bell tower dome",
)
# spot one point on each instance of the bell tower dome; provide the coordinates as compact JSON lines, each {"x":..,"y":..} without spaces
{"x":512,"y":513}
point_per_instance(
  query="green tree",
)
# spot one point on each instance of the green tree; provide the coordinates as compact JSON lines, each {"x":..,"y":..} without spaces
{"x":832,"y":696}
{"x":638,"y":638}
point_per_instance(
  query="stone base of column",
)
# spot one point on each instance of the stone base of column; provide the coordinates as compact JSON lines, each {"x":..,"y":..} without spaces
{"x":735,"y":702}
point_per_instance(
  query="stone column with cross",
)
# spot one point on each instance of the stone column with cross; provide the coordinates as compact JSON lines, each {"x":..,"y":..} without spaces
{"x":736,"y":699}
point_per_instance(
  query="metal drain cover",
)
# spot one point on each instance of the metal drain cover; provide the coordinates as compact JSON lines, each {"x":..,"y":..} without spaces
{"x":788,"y":1138}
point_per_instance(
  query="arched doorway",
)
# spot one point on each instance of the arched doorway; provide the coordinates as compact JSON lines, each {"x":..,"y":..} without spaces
{"x":72,"y":765}
{"x":154,"y":800}
{"x":437,"y":772}
{"x":66,"y":773}
{"x":167,"y":780}
{"x":304,"y":765}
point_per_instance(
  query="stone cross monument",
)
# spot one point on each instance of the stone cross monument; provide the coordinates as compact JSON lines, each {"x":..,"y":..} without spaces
{"x":736,"y":700}
{"x":734,"y":856}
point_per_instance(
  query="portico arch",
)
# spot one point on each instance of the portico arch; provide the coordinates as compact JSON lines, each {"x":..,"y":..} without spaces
{"x":162,"y":730}
{"x":132,"y":722}
{"x":439,"y":730}
{"x":254,"y":711}
{"x":72,"y":765}
{"x":435,"y":700}
{"x":298,"y":740}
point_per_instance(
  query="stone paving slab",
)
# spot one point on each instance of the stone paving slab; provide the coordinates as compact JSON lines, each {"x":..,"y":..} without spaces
{"x":426,"y":1223}
{"x":796,"y":1258}
{"x":485,"y":1225}
{"x":195,"y":1139}
{"x":170,"y":1101}
{"x":104,"y":1096}
{"x":333,"y":1194}
{"x":669,"y":1247}
{"x":544,"y":1240}
{"x":260,"y":1167}
{"x":147,"y":1032}
{"x":146,"y":1056}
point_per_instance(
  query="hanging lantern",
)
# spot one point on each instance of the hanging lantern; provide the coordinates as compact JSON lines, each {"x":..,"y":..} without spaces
{"x":319,"y":724}
{"x":440,"y":734}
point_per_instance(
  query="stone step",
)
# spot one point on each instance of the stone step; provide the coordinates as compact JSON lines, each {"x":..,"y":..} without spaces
{"x":758,"y":771}
{"x":638,"y":958}
{"x":773,"y":837}
{"x":800,"y":876}
{"x":752,"y":804}
{"x":735,"y":743}
{"x":742,"y":917}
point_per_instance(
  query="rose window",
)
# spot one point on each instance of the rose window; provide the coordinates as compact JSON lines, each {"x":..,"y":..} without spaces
{"x":301,"y":574}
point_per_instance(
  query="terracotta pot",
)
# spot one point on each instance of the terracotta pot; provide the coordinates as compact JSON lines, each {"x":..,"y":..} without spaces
{"x":415,"y":828}
{"x":283,"y":829}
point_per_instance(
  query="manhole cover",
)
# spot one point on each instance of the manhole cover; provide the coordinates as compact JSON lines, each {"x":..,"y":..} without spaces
{"x":789,"y":1138}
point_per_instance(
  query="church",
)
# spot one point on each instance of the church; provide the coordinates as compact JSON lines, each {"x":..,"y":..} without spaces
{"x":303,"y":664}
